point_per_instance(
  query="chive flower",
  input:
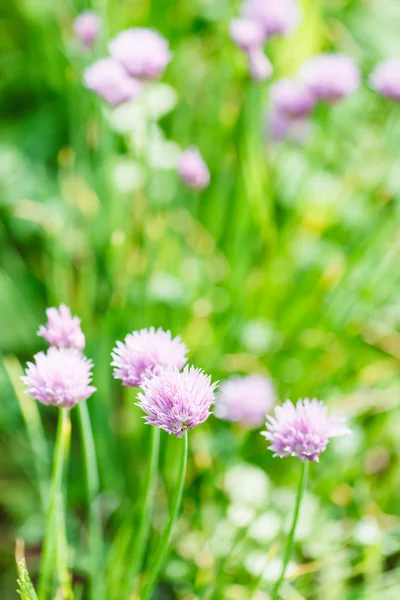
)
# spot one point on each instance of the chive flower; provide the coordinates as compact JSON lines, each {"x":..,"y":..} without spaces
{"x":62,"y":329}
{"x":245,"y":400}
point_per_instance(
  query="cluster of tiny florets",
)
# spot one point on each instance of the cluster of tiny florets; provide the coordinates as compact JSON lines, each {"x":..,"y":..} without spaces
{"x":177,"y":400}
{"x":145,"y":353}
{"x":62,"y":329}
{"x":60,"y":377}
{"x":303,"y":429}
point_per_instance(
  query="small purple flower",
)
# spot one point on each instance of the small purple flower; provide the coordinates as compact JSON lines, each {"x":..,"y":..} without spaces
{"x":87,"y":28}
{"x":277,"y":17}
{"x":331,"y":77}
{"x":60,"y":377}
{"x":62,"y":329}
{"x":177,"y":401}
{"x":108,"y":79}
{"x":145,"y":353}
{"x":144,"y":53}
{"x":193,"y":170}
{"x":247,"y":34}
{"x":291,"y":98}
{"x":302,"y":430}
{"x":385,"y":79}
{"x":245,"y":400}
{"x":259,"y":65}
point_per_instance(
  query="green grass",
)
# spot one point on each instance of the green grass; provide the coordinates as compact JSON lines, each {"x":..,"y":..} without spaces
{"x":287,"y":264}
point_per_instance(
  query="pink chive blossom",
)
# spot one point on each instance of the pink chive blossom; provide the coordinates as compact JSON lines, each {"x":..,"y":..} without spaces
{"x":282,"y":127}
{"x":331,"y":77}
{"x":177,"y":401}
{"x":303,"y":429}
{"x":385,"y":79}
{"x":247,"y":34}
{"x":291,"y":98}
{"x":245,"y":400}
{"x":60,"y":377}
{"x":144,"y":53}
{"x":193,"y":170}
{"x":259,"y":65}
{"x":62,"y":329}
{"x":87,"y":28}
{"x":108,"y":79}
{"x":277,"y":17}
{"x":147,"y":352}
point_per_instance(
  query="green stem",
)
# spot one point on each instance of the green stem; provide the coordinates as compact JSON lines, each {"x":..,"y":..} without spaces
{"x":47,"y":563}
{"x":289,"y":545}
{"x":96,"y":567}
{"x":176,"y":503}
{"x":147,"y":505}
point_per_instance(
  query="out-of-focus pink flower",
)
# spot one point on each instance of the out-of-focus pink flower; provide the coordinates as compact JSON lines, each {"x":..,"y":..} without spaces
{"x":277,"y":17}
{"x":61,"y":377}
{"x":259,"y":65}
{"x":193,"y":170}
{"x":144,"y":53}
{"x":245,"y":400}
{"x":330,"y":77}
{"x":247,"y":34}
{"x":282,"y":127}
{"x":385,"y":79}
{"x":291,"y":98}
{"x":87,"y":28}
{"x":177,"y":401}
{"x":145,"y":353}
{"x":302,"y":430}
{"x":108,"y":79}
{"x":62,"y":329}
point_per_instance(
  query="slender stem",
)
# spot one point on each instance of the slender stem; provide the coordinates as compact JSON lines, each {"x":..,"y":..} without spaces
{"x":96,"y":567}
{"x":289,"y":544}
{"x":175,"y":506}
{"x":47,"y":563}
{"x":147,"y":505}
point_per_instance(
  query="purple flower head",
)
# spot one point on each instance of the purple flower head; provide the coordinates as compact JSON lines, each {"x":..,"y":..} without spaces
{"x":245,"y":400}
{"x":145,"y":353}
{"x":291,"y":98}
{"x":302,"y":430}
{"x":259,"y":65}
{"x":60,"y":377}
{"x":176,"y":401}
{"x":385,"y":79}
{"x":144,"y":53}
{"x":193,"y":170}
{"x":247,"y":34}
{"x":277,"y":17}
{"x":331,"y":77}
{"x":108,"y":79}
{"x":87,"y":28}
{"x":62,"y":329}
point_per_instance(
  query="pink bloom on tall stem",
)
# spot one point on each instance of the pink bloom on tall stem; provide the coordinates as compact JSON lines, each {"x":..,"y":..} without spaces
{"x":291,"y":98}
{"x":303,"y":429}
{"x":259,"y":65}
{"x":60,"y":377}
{"x":109,"y":80}
{"x":177,"y":401}
{"x":385,"y":79}
{"x":245,"y":400}
{"x":62,"y":329}
{"x":247,"y":34}
{"x":193,"y":170}
{"x":147,"y":352}
{"x":87,"y":28}
{"x":331,"y":77}
{"x":144,"y":53}
{"x":277,"y":17}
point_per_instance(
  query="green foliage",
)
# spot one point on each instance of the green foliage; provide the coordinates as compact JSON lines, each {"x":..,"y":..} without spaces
{"x":25,"y":587}
{"x":286,"y":265}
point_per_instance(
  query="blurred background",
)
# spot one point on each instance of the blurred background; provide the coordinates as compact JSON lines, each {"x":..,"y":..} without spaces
{"x":287,"y":265}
